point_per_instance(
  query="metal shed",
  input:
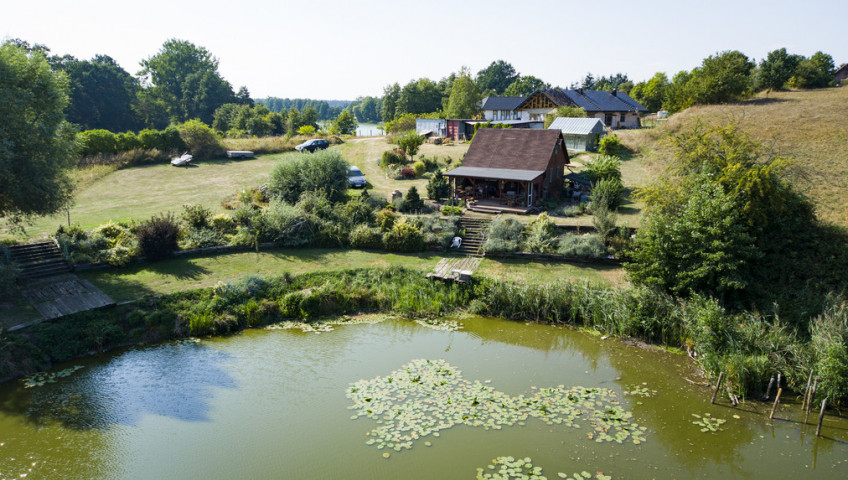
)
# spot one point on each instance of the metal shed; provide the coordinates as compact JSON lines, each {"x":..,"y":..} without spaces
{"x":581,"y":134}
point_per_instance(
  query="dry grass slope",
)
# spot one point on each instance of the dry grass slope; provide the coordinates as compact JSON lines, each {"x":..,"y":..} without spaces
{"x":809,"y":126}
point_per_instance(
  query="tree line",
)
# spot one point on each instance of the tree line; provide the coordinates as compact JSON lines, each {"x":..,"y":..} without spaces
{"x":731,"y":75}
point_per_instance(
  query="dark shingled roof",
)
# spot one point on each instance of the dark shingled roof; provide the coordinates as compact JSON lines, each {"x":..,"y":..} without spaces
{"x":592,"y":100}
{"x":512,"y":148}
{"x":502,"y":103}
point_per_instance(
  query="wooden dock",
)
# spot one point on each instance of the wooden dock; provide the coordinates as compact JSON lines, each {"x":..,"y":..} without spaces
{"x":457,"y":269}
{"x":62,"y":295}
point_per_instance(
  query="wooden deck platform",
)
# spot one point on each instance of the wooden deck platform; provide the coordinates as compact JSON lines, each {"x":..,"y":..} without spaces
{"x":457,"y":269}
{"x":62,"y":295}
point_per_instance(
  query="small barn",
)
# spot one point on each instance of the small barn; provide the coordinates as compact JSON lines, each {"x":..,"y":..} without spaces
{"x":511,"y":169}
{"x":841,"y":74}
{"x":579,"y":134}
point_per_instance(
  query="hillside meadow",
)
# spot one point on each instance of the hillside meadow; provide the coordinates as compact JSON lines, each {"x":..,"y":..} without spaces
{"x":808,"y":126}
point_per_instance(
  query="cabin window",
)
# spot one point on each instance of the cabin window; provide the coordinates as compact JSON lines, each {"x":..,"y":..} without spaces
{"x":623,"y":118}
{"x":608,"y":119}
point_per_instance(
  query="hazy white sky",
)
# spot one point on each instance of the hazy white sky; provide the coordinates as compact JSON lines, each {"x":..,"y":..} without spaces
{"x":341,"y":49}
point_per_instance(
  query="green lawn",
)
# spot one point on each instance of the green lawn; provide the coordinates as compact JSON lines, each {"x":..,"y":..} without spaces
{"x":141,"y":192}
{"x":194,"y":272}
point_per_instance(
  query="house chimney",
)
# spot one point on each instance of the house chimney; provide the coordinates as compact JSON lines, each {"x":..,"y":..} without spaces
{"x":614,"y":92}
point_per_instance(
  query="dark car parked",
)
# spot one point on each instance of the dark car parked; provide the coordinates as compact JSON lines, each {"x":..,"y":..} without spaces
{"x":312,"y":145}
{"x":355,"y":178}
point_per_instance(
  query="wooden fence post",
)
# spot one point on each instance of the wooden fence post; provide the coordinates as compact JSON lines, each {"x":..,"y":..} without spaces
{"x":718,"y":385}
{"x":821,"y":417}
{"x":776,"y":401}
{"x":807,"y":391}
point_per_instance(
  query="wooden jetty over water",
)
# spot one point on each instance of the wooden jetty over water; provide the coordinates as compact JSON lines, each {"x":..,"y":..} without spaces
{"x":458,"y":269}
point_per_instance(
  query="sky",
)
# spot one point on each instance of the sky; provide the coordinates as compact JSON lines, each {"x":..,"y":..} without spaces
{"x":343,"y":49}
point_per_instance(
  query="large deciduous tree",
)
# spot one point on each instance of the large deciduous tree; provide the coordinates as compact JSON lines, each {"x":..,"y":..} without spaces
{"x":464,"y":99}
{"x":36,"y":146}
{"x":496,"y":77}
{"x":102,"y":94}
{"x":652,"y":93}
{"x":184,"y":79}
{"x":723,"y":77}
{"x":524,"y":86}
{"x":776,"y":69}
{"x":814,"y":72}
{"x":723,"y":222}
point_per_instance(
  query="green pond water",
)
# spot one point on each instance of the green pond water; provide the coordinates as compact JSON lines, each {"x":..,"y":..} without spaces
{"x":295,"y":404}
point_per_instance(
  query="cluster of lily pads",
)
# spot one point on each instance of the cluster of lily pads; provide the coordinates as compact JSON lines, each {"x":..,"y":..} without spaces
{"x":509,"y":468}
{"x":427,"y":396}
{"x":707,"y":423}
{"x":326,"y":325}
{"x":42,"y":378}
{"x":640,"y":391}
{"x":439,"y":324}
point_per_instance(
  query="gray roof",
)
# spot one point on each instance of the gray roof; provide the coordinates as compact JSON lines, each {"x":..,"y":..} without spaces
{"x":592,"y":100}
{"x":502,"y":103}
{"x":577,"y":126}
{"x":496,"y":173}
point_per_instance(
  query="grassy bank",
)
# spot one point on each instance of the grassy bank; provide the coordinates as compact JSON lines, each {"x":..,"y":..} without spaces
{"x":748,"y":347}
{"x":187,"y":273}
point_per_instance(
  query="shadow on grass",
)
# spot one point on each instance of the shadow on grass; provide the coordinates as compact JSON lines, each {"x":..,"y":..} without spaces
{"x":130,"y":283}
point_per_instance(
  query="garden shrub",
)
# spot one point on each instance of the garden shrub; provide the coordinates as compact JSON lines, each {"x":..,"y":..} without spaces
{"x":245,"y":215}
{"x":298,"y":173}
{"x":609,"y":145}
{"x":363,"y":236}
{"x":586,"y":246}
{"x":286,"y":225}
{"x":391,"y":158}
{"x":202,"y":238}
{"x":157,"y":237}
{"x":403,"y":237}
{"x":386,"y":219}
{"x":407,"y":172}
{"x":290,"y":304}
{"x":541,"y":235}
{"x":449,"y":210}
{"x":124,"y":142}
{"x":504,"y":235}
{"x":419,"y":168}
{"x":196,"y":216}
{"x":92,"y":142}
{"x":608,"y":192}
{"x":200,"y":139}
{"x":438,"y":186}
{"x":223,"y":223}
{"x":167,"y":140}
{"x":602,"y":167}
{"x":412,"y":202}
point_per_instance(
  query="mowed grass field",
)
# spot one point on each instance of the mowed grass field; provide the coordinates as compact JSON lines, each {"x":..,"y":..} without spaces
{"x":141,"y":192}
{"x":809,"y":126}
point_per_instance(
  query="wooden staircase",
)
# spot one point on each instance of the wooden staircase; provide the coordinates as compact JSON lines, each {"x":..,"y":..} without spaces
{"x":39,"y":260}
{"x":475,"y":235}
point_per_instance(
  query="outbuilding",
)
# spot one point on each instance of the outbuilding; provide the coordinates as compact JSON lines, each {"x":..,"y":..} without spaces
{"x":579,"y":134}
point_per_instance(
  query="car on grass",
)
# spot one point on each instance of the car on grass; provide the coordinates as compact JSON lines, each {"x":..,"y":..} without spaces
{"x":312,"y":145}
{"x":355,"y":178}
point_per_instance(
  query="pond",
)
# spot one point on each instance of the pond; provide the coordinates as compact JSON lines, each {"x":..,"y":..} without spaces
{"x":442,"y":403}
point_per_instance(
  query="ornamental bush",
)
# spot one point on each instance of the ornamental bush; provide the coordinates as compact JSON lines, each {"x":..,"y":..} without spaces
{"x":403,"y":237}
{"x":157,"y":237}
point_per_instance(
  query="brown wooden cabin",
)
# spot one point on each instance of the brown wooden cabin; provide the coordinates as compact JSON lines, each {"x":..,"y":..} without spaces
{"x":511,"y":169}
